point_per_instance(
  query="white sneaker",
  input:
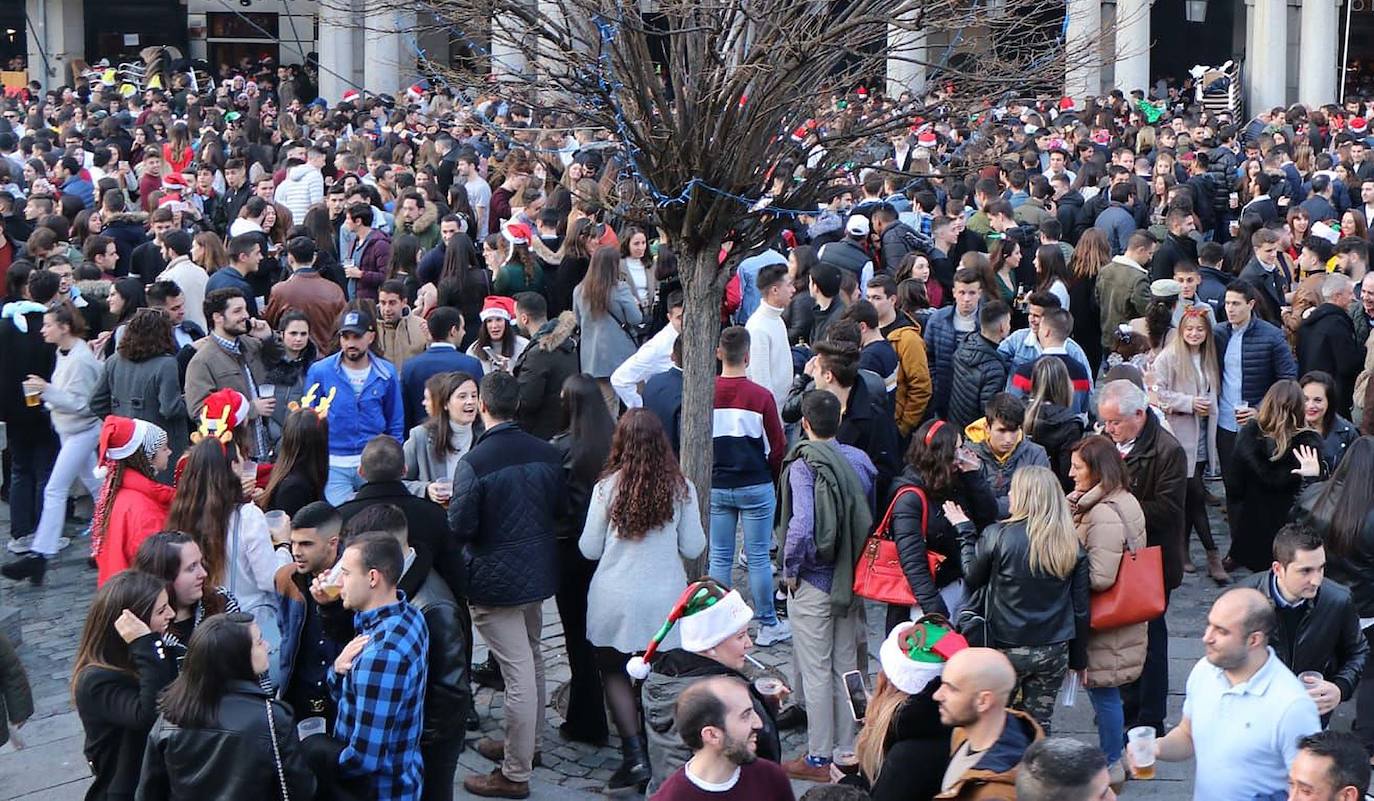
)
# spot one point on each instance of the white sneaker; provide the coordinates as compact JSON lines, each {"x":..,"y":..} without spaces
{"x":63,"y":542}
{"x":771,"y":635}
{"x":20,"y":545}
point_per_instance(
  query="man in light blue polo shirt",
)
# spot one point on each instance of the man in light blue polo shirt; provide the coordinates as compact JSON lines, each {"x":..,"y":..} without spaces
{"x":1244,"y":711}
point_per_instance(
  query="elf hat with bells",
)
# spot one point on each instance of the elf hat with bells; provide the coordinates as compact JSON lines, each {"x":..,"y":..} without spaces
{"x":710,"y":615}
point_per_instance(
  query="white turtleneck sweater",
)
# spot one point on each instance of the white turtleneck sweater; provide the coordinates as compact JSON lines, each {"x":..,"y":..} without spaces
{"x":770,"y":357}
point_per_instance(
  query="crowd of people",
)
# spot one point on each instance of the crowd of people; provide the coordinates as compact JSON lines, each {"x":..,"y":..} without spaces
{"x":354,"y":385}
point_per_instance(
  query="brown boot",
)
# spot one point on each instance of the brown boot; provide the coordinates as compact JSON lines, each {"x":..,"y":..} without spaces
{"x":1216,"y":570}
{"x":495,"y":750}
{"x":496,"y":785}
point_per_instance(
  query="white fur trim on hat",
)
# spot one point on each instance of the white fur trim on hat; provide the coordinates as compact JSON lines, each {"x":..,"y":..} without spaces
{"x":716,"y":623}
{"x":135,"y":442}
{"x":905,"y":673}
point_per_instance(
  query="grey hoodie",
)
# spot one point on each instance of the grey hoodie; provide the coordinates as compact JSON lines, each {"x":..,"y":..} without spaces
{"x":68,"y":395}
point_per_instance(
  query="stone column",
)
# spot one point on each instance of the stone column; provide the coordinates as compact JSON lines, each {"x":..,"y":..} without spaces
{"x":58,"y":33}
{"x":388,"y":57}
{"x":338,"y":21}
{"x":1132,"y":45}
{"x":1083,"y":73}
{"x":906,"y":69}
{"x":1317,"y":54}
{"x":1266,"y":68}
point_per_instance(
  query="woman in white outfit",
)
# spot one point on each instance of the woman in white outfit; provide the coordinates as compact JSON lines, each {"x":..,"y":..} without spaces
{"x":238,"y":552}
{"x":68,"y":397}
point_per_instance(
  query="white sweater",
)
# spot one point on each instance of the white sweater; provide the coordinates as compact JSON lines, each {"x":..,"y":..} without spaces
{"x":770,"y":357}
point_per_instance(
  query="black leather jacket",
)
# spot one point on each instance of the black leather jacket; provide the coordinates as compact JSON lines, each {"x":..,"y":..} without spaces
{"x":232,"y":758}
{"x":970,"y":491}
{"x":1323,"y":634}
{"x":448,"y":696}
{"x":1026,"y":607}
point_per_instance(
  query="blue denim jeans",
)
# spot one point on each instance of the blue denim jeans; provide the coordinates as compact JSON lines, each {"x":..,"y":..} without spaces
{"x":342,"y":483}
{"x":1111,"y":720}
{"x":753,"y":507}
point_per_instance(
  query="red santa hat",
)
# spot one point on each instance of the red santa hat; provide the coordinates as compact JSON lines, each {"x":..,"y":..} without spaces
{"x":350,"y":96}
{"x":1066,"y":103}
{"x":121,"y":437}
{"x":517,"y":233}
{"x":927,"y":138}
{"x":1358,"y":124}
{"x":498,"y":307}
{"x":173,"y":182}
{"x":224,"y":411}
{"x":415,"y":92}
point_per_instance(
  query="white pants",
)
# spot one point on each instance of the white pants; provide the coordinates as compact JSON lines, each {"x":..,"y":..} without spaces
{"x":75,"y":461}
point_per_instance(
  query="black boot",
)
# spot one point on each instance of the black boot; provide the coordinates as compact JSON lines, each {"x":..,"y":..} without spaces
{"x":31,"y":567}
{"x":634,"y":766}
{"x":488,"y":674}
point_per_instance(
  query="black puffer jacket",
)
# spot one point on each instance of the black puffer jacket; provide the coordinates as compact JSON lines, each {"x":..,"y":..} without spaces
{"x":972,"y":493}
{"x":232,"y":758}
{"x":541,"y":369}
{"x":1026,"y":607}
{"x":507,"y":492}
{"x":979,"y":372}
{"x":1056,"y":430}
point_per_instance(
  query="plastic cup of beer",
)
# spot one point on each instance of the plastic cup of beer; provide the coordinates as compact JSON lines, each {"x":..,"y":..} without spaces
{"x":1311,"y":678}
{"x":846,"y":761}
{"x":771,"y":690}
{"x":443,"y":490}
{"x":1140,"y":741}
{"x":332,"y":583}
{"x":32,"y":397}
{"x":279,"y":526}
{"x":310,"y":726}
{"x":267,"y":390}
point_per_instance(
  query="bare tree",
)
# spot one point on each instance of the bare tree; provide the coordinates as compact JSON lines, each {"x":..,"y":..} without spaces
{"x":707,"y":100}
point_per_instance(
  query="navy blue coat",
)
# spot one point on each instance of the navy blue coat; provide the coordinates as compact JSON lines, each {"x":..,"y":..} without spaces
{"x":1264,"y":357}
{"x":419,"y":368}
{"x":663,"y":396}
{"x":507,"y":491}
{"x":941,"y":342}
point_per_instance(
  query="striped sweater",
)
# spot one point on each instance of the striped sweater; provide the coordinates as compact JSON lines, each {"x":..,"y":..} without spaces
{"x":747,"y":435}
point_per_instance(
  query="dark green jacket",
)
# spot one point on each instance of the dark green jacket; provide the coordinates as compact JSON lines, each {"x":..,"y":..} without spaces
{"x":843,"y":518}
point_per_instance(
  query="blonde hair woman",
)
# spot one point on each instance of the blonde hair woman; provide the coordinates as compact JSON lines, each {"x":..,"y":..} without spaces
{"x":1186,"y":381}
{"x":1034,"y":575}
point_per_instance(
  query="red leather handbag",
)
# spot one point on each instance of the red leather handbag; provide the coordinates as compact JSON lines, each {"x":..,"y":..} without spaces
{"x":1137,"y":596}
{"x":879,"y":576}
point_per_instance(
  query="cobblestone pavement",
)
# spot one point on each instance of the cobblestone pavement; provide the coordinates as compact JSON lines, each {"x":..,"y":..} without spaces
{"x":52,"y":767}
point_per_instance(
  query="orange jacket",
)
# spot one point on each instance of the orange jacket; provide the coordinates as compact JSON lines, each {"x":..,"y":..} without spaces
{"x":913,"y":377}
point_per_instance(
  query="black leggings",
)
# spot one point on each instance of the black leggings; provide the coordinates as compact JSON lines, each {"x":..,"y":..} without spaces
{"x":1195,"y":513}
{"x":620,"y":694}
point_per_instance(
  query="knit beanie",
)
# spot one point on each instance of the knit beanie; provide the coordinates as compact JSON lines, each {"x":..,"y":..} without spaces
{"x":710,"y":614}
{"x":915,"y":653}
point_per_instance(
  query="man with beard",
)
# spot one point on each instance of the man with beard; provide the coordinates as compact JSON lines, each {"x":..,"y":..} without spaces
{"x":988,"y":739}
{"x":229,"y":359}
{"x":309,"y":643}
{"x":367,"y":402}
{"x":716,"y":719}
{"x":1244,"y":711}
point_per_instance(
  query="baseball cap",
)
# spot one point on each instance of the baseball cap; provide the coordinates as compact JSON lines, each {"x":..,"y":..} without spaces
{"x":857,"y":225}
{"x":356,"y":321}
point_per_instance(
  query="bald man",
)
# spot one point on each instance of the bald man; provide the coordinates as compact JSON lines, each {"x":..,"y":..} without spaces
{"x":988,"y":739}
{"x":1244,"y":712}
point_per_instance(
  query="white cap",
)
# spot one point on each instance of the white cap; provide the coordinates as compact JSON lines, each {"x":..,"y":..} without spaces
{"x":857,"y":225}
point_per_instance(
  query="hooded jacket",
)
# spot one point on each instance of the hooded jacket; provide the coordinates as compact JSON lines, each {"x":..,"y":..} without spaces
{"x":128,"y":230}
{"x":540,"y":370}
{"x":302,"y":188}
{"x":998,"y":470}
{"x":1326,"y":342}
{"x":372,"y":257}
{"x":993,"y":778}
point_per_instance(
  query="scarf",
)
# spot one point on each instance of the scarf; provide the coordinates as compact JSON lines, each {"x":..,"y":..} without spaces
{"x":15,"y":311}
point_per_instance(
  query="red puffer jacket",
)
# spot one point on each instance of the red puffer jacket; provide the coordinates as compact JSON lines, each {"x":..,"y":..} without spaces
{"x":139,"y":510}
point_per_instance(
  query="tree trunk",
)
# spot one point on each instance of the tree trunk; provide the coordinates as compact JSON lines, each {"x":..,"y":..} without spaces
{"x":703,"y":283}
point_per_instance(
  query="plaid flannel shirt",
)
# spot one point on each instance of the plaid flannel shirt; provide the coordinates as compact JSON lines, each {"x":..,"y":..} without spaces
{"x":381,"y":701}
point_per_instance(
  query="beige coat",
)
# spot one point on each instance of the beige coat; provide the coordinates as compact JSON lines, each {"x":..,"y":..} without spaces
{"x":407,"y":337}
{"x":1104,"y":525}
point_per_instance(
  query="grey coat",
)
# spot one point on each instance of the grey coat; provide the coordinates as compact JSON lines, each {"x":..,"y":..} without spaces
{"x":422,"y":467}
{"x":636,"y":581}
{"x":147,"y":390}
{"x":604,"y":344}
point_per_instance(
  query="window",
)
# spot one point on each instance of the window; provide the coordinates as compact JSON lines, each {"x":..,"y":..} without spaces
{"x":242,"y":26}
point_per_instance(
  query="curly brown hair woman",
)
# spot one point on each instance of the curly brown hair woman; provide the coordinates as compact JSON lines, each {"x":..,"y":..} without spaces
{"x":650,"y":481}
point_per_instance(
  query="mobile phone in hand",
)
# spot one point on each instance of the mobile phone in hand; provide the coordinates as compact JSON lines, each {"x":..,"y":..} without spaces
{"x":858,"y":695}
